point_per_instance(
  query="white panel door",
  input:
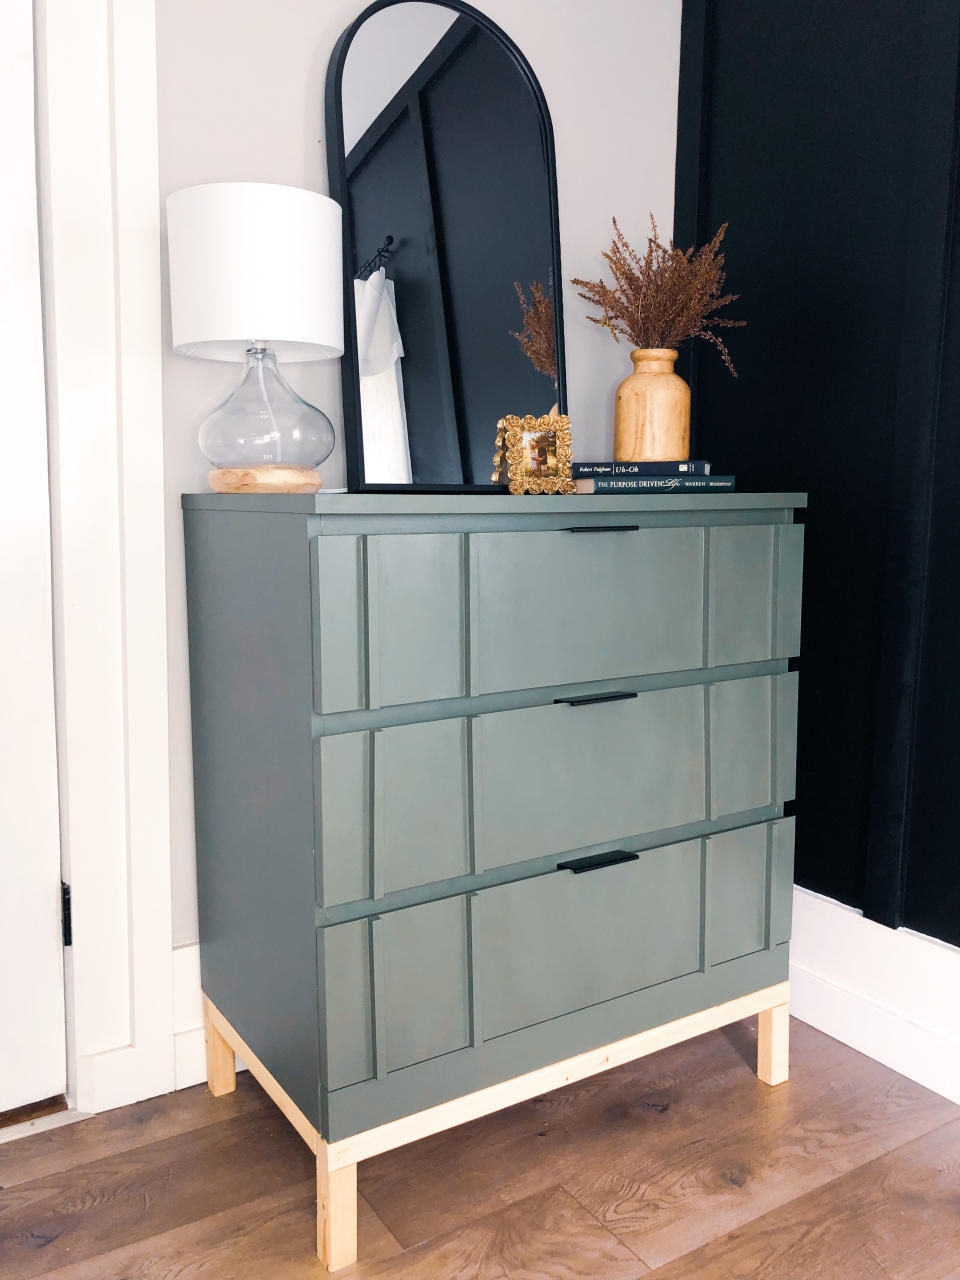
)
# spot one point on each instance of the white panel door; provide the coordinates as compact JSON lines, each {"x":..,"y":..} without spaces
{"x":32,"y":1033}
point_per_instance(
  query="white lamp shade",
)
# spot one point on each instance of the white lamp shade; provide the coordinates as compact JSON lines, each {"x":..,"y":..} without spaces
{"x":252,"y":261}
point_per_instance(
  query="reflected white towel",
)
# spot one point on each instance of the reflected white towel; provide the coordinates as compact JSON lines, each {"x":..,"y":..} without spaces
{"x":379,"y":344}
{"x":386,"y":448}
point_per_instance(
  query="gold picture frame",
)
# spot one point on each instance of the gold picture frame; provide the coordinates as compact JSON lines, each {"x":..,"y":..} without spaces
{"x":532,"y":455}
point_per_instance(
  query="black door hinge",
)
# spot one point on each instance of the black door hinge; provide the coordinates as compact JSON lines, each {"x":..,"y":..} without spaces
{"x":66,"y":914}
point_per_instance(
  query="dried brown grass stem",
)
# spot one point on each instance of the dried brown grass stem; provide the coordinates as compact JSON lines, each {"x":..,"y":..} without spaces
{"x":664,"y":297}
{"x":537,"y":338}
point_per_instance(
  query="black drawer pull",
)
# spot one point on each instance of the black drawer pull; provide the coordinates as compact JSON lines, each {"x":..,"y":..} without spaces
{"x":603,"y":528}
{"x":597,"y":860}
{"x":590,"y":698}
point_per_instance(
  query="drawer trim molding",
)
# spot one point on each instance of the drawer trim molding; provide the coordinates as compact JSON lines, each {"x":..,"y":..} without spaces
{"x":492,"y":877}
{"x":332,"y":724}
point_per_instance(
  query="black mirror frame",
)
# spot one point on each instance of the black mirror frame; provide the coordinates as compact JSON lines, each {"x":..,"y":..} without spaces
{"x":337,"y":178}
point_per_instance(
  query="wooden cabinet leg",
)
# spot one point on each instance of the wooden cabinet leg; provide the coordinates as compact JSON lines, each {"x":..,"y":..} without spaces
{"x":773,"y":1044}
{"x":336,"y":1213}
{"x":221,"y":1060}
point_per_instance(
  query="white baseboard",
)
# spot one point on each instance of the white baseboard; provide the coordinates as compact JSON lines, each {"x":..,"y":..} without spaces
{"x":189,"y":1057}
{"x":190,"y":1061}
{"x":890,"y":993}
{"x":189,"y":1054}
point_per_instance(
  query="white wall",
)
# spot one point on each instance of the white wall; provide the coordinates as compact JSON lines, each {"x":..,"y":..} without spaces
{"x":241,"y":98}
{"x":382,"y":57}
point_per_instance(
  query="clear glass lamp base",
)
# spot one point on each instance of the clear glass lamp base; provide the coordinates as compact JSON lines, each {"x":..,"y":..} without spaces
{"x":264,"y":438}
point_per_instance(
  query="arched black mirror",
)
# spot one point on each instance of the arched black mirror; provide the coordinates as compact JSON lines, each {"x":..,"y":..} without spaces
{"x":440,"y":150}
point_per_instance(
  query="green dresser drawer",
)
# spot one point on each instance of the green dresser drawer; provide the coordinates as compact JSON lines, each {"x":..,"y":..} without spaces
{"x":395,"y":990}
{"x":392,"y":612}
{"x":398,"y":808}
{"x":749,"y":890}
{"x":420,"y":617}
{"x":755,"y":580}
{"x":392,"y":809}
{"x":560,"y":777}
{"x":388,"y":620}
{"x":418,"y":993}
{"x":753,"y":734}
{"x":559,"y":607}
{"x":424,"y":982}
{"x":564,"y":941}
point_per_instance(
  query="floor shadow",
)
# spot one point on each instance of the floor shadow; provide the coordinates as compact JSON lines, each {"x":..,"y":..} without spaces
{"x":742,"y":1036}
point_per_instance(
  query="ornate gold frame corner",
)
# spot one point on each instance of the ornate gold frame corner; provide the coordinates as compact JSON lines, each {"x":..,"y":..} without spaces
{"x":511,"y":459}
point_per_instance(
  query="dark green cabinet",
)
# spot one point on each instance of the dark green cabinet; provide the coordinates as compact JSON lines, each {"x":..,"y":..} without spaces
{"x":408,"y":711}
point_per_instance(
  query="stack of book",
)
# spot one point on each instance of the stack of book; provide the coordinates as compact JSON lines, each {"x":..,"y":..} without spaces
{"x":649,"y":477}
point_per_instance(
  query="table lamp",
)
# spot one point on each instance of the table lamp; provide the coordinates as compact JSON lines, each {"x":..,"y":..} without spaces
{"x":256,"y":276}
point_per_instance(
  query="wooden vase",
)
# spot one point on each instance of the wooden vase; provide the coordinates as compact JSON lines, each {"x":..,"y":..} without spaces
{"x":651,"y":416}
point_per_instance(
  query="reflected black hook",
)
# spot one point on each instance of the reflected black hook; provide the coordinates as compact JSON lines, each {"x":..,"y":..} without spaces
{"x":379,"y":259}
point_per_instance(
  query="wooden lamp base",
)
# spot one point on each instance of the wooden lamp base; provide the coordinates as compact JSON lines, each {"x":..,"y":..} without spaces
{"x":272,"y":478}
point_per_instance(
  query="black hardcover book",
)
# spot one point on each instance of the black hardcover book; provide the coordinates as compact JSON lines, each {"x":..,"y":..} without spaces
{"x":656,"y":484}
{"x":581,"y":470}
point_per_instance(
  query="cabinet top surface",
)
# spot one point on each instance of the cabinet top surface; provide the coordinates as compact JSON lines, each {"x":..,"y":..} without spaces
{"x":419,"y":504}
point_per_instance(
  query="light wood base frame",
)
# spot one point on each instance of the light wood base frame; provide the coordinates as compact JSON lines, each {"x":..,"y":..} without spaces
{"x":773,"y":1044}
{"x":337,"y":1161}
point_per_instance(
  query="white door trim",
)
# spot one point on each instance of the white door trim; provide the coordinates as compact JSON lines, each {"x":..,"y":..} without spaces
{"x":99,"y":202}
{"x":33,"y":1058}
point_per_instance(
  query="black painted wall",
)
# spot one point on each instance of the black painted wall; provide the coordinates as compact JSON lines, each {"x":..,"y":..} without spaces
{"x":825,"y":134}
{"x":931,"y":879}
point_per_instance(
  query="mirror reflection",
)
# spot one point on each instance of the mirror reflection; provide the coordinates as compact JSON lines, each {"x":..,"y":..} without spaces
{"x":449,"y":222}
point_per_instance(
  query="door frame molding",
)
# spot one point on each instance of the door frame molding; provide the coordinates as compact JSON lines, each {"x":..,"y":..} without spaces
{"x":31,"y":953}
{"x":97,"y":141}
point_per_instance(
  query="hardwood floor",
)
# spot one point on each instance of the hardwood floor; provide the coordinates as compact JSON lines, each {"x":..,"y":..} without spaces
{"x":680,"y":1165}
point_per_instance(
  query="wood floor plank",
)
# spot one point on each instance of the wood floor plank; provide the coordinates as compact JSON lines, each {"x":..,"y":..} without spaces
{"x":42,"y":1154}
{"x":735,"y":1158}
{"x":462,"y":1174}
{"x":436,"y":1184}
{"x":100,"y":1206}
{"x":849,"y":1172}
{"x":933,"y":1272}
{"x":271,"y":1238}
{"x":598,"y":1124}
{"x":374,"y":1239}
{"x":547,"y":1236}
{"x":724,"y":1078}
{"x":899,"y":1214}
